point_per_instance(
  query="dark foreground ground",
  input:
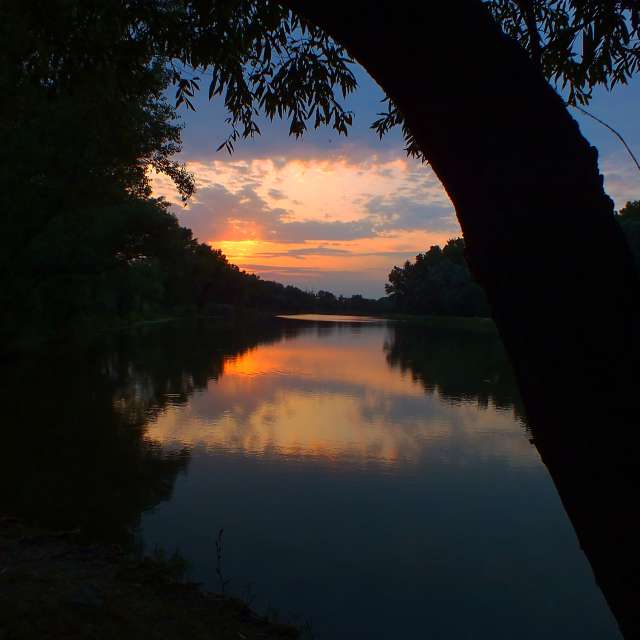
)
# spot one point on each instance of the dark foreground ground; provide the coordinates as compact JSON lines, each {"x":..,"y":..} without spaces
{"x":52,"y":585}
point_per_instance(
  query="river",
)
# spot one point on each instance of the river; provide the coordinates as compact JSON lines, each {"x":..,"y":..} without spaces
{"x":373,"y":480}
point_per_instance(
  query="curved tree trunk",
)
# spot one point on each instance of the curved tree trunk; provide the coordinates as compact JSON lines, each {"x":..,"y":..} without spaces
{"x":541,"y":239}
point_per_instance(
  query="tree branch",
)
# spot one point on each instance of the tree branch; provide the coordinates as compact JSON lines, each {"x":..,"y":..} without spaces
{"x":616,"y":133}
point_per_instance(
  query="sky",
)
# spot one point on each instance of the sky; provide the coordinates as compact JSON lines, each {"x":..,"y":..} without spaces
{"x":335,"y":213}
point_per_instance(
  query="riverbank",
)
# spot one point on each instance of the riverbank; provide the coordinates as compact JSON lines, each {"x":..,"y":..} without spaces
{"x":225,"y":315}
{"x":56,"y":585}
{"x":458,"y":323}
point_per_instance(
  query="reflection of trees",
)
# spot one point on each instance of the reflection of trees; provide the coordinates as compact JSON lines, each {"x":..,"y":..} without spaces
{"x":74,"y":449}
{"x":596,"y":475}
{"x":458,"y":365}
{"x":594,"y":466}
{"x":69,"y":458}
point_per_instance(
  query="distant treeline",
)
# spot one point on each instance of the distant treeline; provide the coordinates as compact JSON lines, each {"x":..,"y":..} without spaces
{"x":439,"y":282}
{"x":629,"y":219}
{"x":130,"y":261}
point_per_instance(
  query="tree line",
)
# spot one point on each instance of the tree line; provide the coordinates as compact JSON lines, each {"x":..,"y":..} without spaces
{"x":439,"y":282}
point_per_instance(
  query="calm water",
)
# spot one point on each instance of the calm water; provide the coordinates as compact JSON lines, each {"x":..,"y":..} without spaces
{"x":375,"y":480}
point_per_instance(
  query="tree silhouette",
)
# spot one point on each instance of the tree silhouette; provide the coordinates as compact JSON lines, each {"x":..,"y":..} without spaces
{"x":78,"y":452}
{"x":437,"y":283}
{"x":468,"y":81}
{"x":495,"y":132}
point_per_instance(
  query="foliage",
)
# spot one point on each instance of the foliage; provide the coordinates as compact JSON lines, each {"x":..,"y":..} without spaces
{"x":440,"y":283}
{"x":83,"y":241}
{"x":437,"y":283}
{"x":265,"y":58}
{"x":578,"y":44}
{"x":85,"y":124}
{"x":629,"y":219}
{"x":262,"y":58}
{"x":84,"y":244}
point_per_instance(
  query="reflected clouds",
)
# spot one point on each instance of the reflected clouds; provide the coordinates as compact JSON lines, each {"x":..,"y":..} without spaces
{"x":292,"y":399}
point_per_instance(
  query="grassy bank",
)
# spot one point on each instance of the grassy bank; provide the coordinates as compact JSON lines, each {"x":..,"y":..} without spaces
{"x":53,"y":585}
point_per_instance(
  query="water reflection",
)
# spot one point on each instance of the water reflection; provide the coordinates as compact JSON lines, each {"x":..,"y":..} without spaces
{"x":75,"y":447}
{"x":330,"y":394}
{"x":378,"y":479}
{"x":361,"y":468}
{"x":458,"y":365}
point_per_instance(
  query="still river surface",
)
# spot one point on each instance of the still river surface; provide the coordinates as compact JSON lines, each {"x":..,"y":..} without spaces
{"x":375,"y":480}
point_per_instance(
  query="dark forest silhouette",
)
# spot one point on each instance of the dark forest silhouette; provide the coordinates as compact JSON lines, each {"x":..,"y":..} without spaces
{"x":84,"y":244}
{"x":79,"y":456}
{"x":439,"y":282}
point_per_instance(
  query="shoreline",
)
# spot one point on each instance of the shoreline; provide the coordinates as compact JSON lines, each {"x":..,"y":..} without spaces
{"x":55,"y":584}
{"x":11,"y":352}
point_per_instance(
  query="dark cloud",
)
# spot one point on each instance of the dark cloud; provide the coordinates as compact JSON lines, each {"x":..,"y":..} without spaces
{"x":399,"y":212}
{"x":303,"y":230}
{"x":304,"y":252}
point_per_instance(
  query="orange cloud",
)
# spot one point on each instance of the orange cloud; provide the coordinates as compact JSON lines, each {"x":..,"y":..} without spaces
{"x":318,"y":215}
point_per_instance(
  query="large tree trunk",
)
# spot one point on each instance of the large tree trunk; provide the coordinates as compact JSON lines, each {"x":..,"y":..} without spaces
{"x":541,"y":239}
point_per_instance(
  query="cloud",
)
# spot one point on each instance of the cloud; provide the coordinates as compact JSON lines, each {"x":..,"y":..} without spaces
{"x":219,"y":213}
{"x":298,"y":201}
{"x":397,"y":211}
{"x":305,"y":230}
{"x":324,"y":222}
{"x":621,"y":179}
{"x":303,"y":252}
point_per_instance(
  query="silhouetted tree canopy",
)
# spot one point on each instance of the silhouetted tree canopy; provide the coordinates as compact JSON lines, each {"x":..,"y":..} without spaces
{"x":84,"y":243}
{"x":629,"y":218}
{"x":263,"y":58}
{"x":87,"y":121}
{"x":437,"y":283}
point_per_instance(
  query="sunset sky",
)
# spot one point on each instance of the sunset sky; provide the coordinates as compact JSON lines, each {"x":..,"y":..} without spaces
{"x":332,"y":213}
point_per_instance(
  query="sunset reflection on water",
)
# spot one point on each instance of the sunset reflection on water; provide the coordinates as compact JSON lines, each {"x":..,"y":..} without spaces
{"x":365,"y":466}
{"x":334,"y":399}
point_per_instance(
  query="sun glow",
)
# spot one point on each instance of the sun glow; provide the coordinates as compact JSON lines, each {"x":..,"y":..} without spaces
{"x":296,"y":219}
{"x":238,"y":250}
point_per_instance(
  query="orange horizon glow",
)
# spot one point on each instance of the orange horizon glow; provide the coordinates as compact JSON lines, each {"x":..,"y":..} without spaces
{"x":294,"y":190}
